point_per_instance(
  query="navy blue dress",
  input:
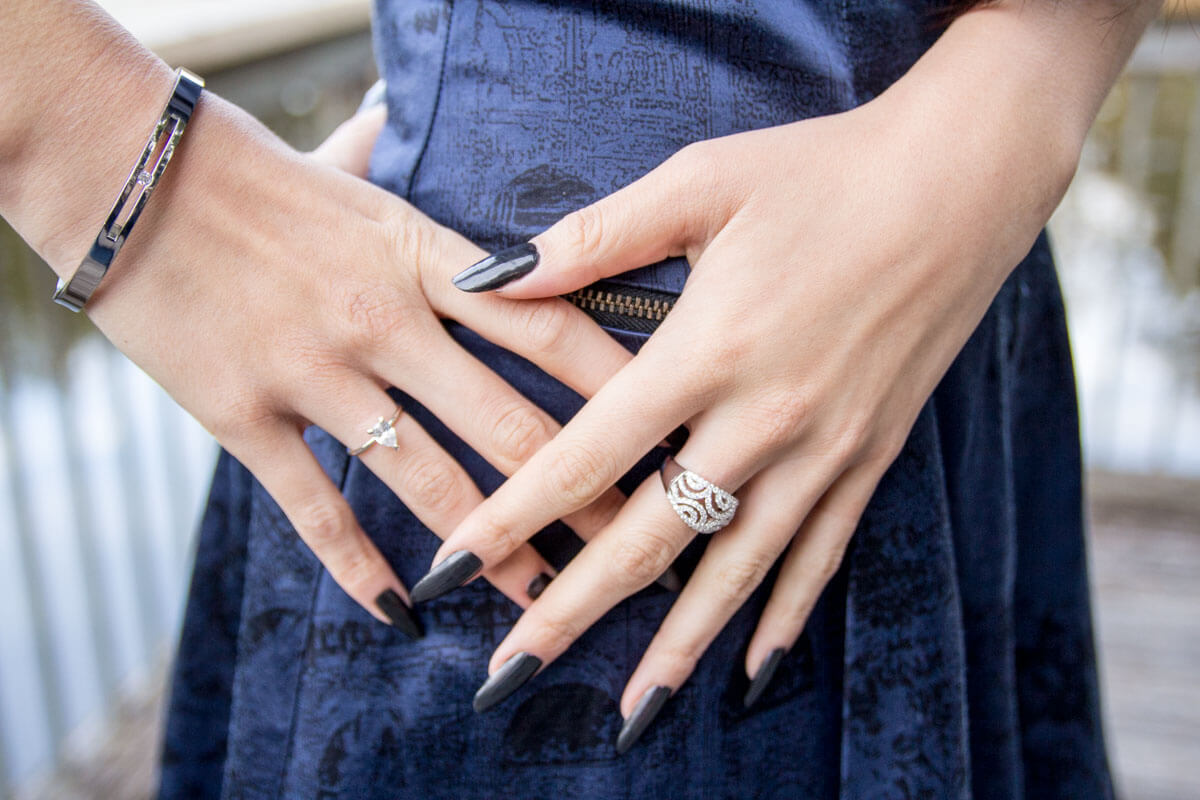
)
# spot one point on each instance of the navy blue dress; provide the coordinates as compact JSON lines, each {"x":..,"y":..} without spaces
{"x":952,"y":655}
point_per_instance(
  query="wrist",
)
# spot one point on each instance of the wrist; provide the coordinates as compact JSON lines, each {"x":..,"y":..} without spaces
{"x":1013,"y":87}
{"x":64,"y":173}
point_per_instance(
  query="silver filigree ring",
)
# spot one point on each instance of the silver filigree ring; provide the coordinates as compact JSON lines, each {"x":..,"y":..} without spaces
{"x":701,"y":504}
{"x":383,"y":432}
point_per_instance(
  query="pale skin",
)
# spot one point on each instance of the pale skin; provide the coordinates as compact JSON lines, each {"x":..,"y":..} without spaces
{"x":893,"y":227}
{"x":268,"y":289}
{"x":894,"y":241}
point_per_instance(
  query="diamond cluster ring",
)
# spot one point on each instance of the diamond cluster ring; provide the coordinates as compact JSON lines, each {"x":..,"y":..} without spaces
{"x":701,"y":504}
{"x":383,"y":432}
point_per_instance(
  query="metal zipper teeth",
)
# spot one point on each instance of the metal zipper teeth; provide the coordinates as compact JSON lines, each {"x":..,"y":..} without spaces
{"x":626,"y":305}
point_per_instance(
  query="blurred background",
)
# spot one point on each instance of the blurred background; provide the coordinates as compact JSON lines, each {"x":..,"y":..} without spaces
{"x":102,"y":477}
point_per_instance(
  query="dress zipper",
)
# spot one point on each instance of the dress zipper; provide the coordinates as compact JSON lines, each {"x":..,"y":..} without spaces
{"x":627,"y":308}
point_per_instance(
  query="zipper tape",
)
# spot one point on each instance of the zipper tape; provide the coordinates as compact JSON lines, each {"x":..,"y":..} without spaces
{"x":627,"y":308}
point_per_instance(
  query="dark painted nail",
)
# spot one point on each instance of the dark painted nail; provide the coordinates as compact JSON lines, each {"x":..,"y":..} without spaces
{"x":498,"y":269}
{"x":450,"y":574}
{"x":538,"y":585}
{"x":402,"y":616}
{"x":643,"y":714}
{"x":761,"y":678}
{"x":506,"y":680}
{"x":670,"y":581}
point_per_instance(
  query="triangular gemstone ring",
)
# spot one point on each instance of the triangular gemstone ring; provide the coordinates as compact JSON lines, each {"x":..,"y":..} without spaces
{"x":383,"y":432}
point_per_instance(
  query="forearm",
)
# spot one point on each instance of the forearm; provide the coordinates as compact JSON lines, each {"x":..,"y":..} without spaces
{"x":80,"y":97}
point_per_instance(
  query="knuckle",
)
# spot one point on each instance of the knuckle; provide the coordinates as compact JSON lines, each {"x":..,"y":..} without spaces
{"x":321,"y":524}
{"x":578,"y":472}
{"x":735,"y":581}
{"x":545,"y":324}
{"x":432,"y":485}
{"x":850,"y":441}
{"x":240,"y":416}
{"x":519,"y":433}
{"x":777,"y":418}
{"x":828,"y":560}
{"x":584,"y":231}
{"x":411,"y":240}
{"x":694,"y":160}
{"x":552,"y":634}
{"x":641,"y":558}
{"x":374,"y":315}
{"x":498,"y":538}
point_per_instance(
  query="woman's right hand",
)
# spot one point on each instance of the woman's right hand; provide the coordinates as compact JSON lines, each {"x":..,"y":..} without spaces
{"x":268,"y":289}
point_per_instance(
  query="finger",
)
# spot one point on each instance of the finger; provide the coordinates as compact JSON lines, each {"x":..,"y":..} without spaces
{"x":288,"y":471}
{"x":496,"y":420}
{"x":812,"y":560}
{"x":349,"y":146}
{"x":434,"y":487}
{"x":734,"y":564}
{"x":651,"y":219}
{"x":594,"y":449}
{"x":552,"y":333}
{"x":640,"y":543}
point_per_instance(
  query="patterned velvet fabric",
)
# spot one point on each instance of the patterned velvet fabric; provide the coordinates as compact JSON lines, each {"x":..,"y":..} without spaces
{"x":952,"y":655}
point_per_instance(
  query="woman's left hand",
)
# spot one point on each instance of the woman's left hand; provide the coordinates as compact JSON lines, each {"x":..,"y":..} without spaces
{"x":839,"y":265}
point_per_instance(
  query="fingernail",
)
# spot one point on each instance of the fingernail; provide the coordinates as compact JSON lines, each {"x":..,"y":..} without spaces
{"x":538,"y":585}
{"x":761,"y":678}
{"x":402,"y":616}
{"x":498,"y":269}
{"x":670,"y":581}
{"x":450,"y":574}
{"x":643,"y":714}
{"x":506,"y":680}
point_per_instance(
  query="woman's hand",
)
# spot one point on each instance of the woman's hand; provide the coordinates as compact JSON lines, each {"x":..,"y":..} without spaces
{"x":267,"y":290}
{"x":839,"y":265}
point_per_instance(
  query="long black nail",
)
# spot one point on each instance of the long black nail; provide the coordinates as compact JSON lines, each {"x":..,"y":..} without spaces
{"x":761,"y":678}
{"x":670,"y":581}
{"x":643,"y":714}
{"x":401,"y":615}
{"x":450,"y":574}
{"x":498,"y":269}
{"x":506,"y":680}
{"x":538,"y":585}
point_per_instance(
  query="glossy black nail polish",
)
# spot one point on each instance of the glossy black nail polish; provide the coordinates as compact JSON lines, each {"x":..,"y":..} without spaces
{"x":498,"y":269}
{"x":670,"y":581}
{"x":456,"y":570}
{"x":538,"y":585}
{"x":643,"y":714}
{"x":402,"y":616}
{"x":763,"y":677}
{"x":506,"y":680}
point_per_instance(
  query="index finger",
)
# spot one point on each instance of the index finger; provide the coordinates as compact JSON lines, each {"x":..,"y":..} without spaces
{"x":619,"y":425}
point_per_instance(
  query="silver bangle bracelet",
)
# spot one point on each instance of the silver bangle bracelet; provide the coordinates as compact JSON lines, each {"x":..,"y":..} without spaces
{"x":74,"y":292}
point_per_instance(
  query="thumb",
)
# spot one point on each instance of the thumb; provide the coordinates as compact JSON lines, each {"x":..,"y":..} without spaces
{"x":646,"y":221}
{"x":349,"y":146}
